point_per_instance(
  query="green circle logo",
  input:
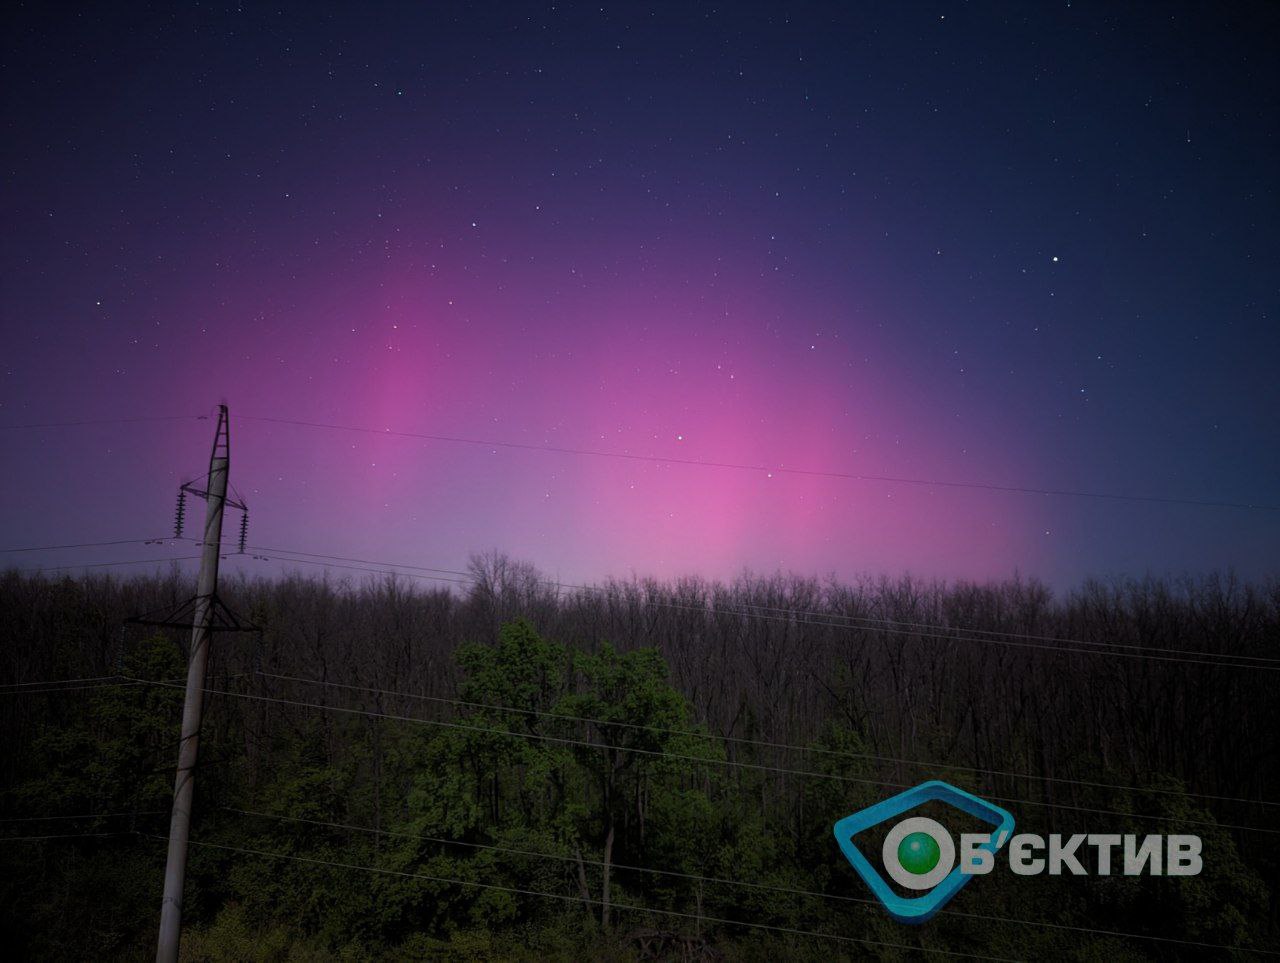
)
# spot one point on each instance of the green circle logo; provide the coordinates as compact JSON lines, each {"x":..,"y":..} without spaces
{"x":919,"y":853}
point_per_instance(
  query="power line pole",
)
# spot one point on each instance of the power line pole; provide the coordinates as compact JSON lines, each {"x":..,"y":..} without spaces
{"x":175,"y":869}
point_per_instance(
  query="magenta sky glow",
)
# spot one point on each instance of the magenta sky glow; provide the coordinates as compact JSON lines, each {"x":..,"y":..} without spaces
{"x":661,"y":240}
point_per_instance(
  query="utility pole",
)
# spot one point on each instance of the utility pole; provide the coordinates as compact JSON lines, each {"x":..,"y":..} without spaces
{"x":175,"y":869}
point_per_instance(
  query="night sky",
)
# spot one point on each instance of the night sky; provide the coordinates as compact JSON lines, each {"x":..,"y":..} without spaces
{"x":1023,"y":245}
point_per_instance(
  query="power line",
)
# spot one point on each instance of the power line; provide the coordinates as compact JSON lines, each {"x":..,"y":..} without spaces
{"x":621,"y":907}
{"x":56,"y":686}
{"x":104,"y":421}
{"x":1010,"y":635}
{"x":536,"y":854}
{"x":72,"y":688}
{"x":616,"y":866}
{"x":28,"y":839}
{"x":762,"y":743}
{"x":851,"y":476}
{"x":743,"y":607}
{"x":700,"y":760}
{"x":786,"y":890}
{"x":363,"y":561}
{"x":103,"y":682}
{"x":107,"y":682}
{"x":819,"y":619}
{"x":136,"y":561}
{"x":824,"y":619}
{"x":471,"y":579}
{"x":52,"y":548}
{"x":36,"y":819}
{"x":95,"y":678}
{"x":277,"y":556}
{"x":943,"y":633}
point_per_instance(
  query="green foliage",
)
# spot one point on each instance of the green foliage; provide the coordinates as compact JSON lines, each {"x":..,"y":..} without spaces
{"x":120,"y":759}
{"x":117,"y":756}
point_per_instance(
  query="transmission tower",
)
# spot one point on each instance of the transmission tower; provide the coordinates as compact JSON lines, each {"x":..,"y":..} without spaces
{"x":204,"y":614}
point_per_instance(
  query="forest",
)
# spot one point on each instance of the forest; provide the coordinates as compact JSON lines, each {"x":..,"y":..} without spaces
{"x":510,"y":769}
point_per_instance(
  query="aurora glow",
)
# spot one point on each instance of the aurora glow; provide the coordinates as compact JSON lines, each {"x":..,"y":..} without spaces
{"x":899,"y":242}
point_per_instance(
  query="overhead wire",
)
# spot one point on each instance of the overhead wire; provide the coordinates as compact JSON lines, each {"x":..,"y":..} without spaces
{"x":943,"y":633}
{"x":564,"y":897}
{"x":363,"y":561}
{"x":101,"y":682}
{"x":1006,"y":634}
{"x":713,"y":609}
{"x":790,"y":613}
{"x":659,"y":459}
{"x":94,"y":678}
{"x":824,"y":620}
{"x":958,"y":634}
{"x":276,"y":556}
{"x":28,"y":839}
{"x":73,"y":688}
{"x":699,"y":760}
{"x":763,"y":469}
{"x":20,"y":688}
{"x":104,"y":421}
{"x":746,"y":884}
{"x":53,"y":548}
{"x":135,"y":561}
{"x":469,"y":578}
{"x":570,"y":859}
{"x":116,"y":815}
{"x":739,"y":740}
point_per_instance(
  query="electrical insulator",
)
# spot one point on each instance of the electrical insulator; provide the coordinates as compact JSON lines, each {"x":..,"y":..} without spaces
{"x":180,"y":515}
{"x":244,"y":530}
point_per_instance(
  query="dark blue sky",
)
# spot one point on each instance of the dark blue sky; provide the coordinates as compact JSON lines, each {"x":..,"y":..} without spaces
{"x":1026,"y":245}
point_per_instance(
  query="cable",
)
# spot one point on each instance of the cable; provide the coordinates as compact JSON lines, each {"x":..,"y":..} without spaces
{"x":136,"y":561}
{"x":96,"y":678}
{"x":1218,"y":659}
{"x":616,"y":866}
{"x":107,"y":683}
{"x":20,"y":839}
{"x":51,"y":548}
{"x":72,"y":688}
{"x":810,"y":617}
{"x":1011,"y":635}
{"x":621,"y":907}
{"x":36,"y":819}
{"x":362,"y":561}
{"x":714,"y":608}
{"x":701,"y":760}
{"x":765,"y":469}
{"x":105,"y":421}
{"x":721,"y":881}
{"x":761,"y":742}
{"x":53,"y":686}
{"x":818,"y":619}
{"x":371,"y":571}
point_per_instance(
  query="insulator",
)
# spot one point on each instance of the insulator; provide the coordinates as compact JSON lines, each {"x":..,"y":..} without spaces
{"x":244,"y":530}
{"x":180,"y":515}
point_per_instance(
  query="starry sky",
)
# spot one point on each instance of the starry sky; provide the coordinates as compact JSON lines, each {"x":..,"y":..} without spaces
{"x":1018,"y":245}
